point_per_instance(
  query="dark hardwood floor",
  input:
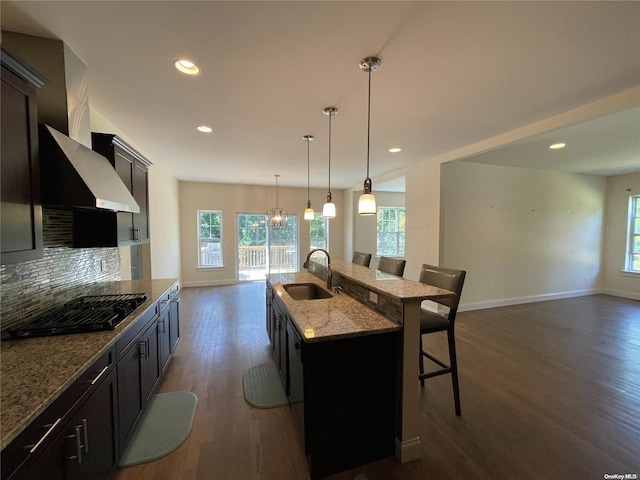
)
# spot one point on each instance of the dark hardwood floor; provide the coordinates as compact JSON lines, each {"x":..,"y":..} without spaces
{"x":549,"y":390}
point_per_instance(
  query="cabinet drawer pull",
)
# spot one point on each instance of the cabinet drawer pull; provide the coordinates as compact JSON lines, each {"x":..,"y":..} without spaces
{"x":47,"y":433}
{"x":136,"y":233}
{"x":85,"y":434}
{"x":100,"y":374}
{"x":176,"y":300}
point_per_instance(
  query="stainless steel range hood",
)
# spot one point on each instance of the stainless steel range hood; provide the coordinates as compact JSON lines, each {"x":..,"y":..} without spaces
{"x":76,"y":177}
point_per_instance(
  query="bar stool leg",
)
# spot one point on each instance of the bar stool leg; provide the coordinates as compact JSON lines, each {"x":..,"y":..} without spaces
{"x":454,"y":370}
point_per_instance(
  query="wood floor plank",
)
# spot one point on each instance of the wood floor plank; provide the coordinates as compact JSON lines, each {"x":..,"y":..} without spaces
{"x":549,"y":390}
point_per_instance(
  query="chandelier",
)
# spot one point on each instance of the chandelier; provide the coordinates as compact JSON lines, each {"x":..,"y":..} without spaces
{"x":277,"y":217}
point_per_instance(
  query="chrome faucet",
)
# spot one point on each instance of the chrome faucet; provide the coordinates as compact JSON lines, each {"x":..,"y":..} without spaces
{"x":329,"y":274}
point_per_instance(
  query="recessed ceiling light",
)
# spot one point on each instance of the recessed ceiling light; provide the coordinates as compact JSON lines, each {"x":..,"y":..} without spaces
{"x":186,"y":66}
{"x":204,"y":129}
{"x":395,"y":150}
{"x":557,"y":146}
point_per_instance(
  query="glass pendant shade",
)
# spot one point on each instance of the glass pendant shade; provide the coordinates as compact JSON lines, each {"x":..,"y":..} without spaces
{"x":309,"y":214}
{"x":367,"y":204}
{"x":329,"y":210}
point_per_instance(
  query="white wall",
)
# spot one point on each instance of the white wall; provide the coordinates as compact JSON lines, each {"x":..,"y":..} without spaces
{"x":233,"y":199}
{"x":522,"y":235}
{"x":614,"y":280}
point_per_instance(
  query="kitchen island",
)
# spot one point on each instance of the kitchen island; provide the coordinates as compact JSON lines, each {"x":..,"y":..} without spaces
{"x":36,"y":373}
{"x":375,"y":295}
{"x":338,"y":364}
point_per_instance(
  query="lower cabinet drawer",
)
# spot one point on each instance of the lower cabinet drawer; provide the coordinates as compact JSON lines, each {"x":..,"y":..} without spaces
{"x":27,"y":447}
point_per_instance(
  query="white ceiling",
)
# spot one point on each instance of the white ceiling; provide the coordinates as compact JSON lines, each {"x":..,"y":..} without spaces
{"x":453,"y":74}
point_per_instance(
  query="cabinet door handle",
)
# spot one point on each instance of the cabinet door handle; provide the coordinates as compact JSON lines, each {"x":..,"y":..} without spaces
{"x":175,"y":300}
{"x":161,"y":321}
{"x":85,"y":434}
{"x":46,"y":434}
{"x":142,"y":348}
{"x":136,"y":233}
{"x":78,"y":455}
{"x":148,"y":346}
{"x":100,"y":374}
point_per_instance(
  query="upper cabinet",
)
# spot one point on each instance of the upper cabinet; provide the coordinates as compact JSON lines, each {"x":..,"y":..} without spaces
{"x":21,"y":207}
{"x":111,"y":229}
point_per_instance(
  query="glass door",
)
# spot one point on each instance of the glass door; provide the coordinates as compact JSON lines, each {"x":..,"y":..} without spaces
{"x":283,"y":247}
{"x":252,"y":246}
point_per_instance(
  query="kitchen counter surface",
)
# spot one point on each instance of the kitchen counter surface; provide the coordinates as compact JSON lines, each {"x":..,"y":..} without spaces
{"x":401,"y":289}
{"x":34,"y":372}
{"x":328,"y":319}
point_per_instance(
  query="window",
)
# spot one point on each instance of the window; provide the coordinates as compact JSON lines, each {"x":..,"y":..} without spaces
{"x":390,"y":232}
{"x":633,"y":248}
{"x":210,"y":238}
{"x":318,"y":232}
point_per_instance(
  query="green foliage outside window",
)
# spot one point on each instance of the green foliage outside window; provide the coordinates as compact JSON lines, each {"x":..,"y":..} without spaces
{"x":391,"y":231}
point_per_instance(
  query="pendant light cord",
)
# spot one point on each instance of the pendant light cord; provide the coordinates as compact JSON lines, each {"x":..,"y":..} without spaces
{"x":308,"y":168}
{"x":330,"y":115}
{"x":368,"y":122}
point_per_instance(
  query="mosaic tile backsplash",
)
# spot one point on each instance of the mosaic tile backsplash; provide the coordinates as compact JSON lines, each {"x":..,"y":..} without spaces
{"x":28,"y":289}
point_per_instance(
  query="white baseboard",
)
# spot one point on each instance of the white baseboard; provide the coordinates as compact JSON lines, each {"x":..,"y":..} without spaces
{"x":503,"y":302}
{"x":408,"y":450}
{"x":210,"y":283}
{"x":616,"y":293}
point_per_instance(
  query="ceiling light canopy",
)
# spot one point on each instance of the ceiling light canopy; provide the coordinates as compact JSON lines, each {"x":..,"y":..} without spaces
{"x":204,"y":129}
{"x":329,"y":208}
{"x":309,"y":214}
{"x":186,"y":66}
{"x":367,"y":202}
{"x":557,"y":146}
{"x":395,"y":150}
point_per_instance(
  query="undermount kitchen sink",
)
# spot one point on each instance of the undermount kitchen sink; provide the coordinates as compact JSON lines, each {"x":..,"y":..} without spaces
{"x":306,"y":291}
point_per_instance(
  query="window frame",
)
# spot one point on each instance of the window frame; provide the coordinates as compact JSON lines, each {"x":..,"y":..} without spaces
{"x":200,"y":239}
{"x":317,"y":216}
{"x":398,"y":233}
{"x":633,"y":235}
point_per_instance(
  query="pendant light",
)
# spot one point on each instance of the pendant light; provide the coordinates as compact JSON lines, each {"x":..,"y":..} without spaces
{"x":277,"y":217}
{"x":367,"y":202}
{"x":329,"y":208}
{"x":308,"y":213}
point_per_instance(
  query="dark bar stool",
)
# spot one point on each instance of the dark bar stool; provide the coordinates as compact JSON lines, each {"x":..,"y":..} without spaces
{"x":360,"y":258}
{"x":394,"y":266}
{"x":431,"y":322}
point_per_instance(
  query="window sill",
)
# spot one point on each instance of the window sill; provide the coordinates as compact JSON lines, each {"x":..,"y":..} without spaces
{"x":630,"y":273}
{"x":212,"y":267}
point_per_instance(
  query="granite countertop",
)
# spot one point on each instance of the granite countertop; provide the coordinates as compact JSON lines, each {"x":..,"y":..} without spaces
{"x":401,"y":289}
{"x":34,"y":372}
{"x":328,"y":319}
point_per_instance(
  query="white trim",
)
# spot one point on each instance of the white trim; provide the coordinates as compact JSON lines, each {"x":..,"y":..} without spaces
{"x":409,"y":450}
{"x":210,"y":283}
{"x":528,"y":299}
{"x":616,"y":293}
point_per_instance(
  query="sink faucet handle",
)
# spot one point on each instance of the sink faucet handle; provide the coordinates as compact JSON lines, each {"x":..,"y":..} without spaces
{"x":337,"y":289}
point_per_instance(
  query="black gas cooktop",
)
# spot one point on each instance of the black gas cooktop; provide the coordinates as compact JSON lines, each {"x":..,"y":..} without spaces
{"x":84,"y":314}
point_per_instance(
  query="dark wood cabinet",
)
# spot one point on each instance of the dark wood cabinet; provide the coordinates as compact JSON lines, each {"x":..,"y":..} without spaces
{"x":21,"y":207}
{"x":174,"y":319}
{"x":164,"y":338}
{"x":348,"y":403}
{"x":113,"y":229}
{"x":138,"y":375}
{"x":75,"y":438}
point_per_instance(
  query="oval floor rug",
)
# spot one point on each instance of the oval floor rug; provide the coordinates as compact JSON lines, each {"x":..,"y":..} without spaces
{"x":263,"y":386}
{"x":164,"y":426}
